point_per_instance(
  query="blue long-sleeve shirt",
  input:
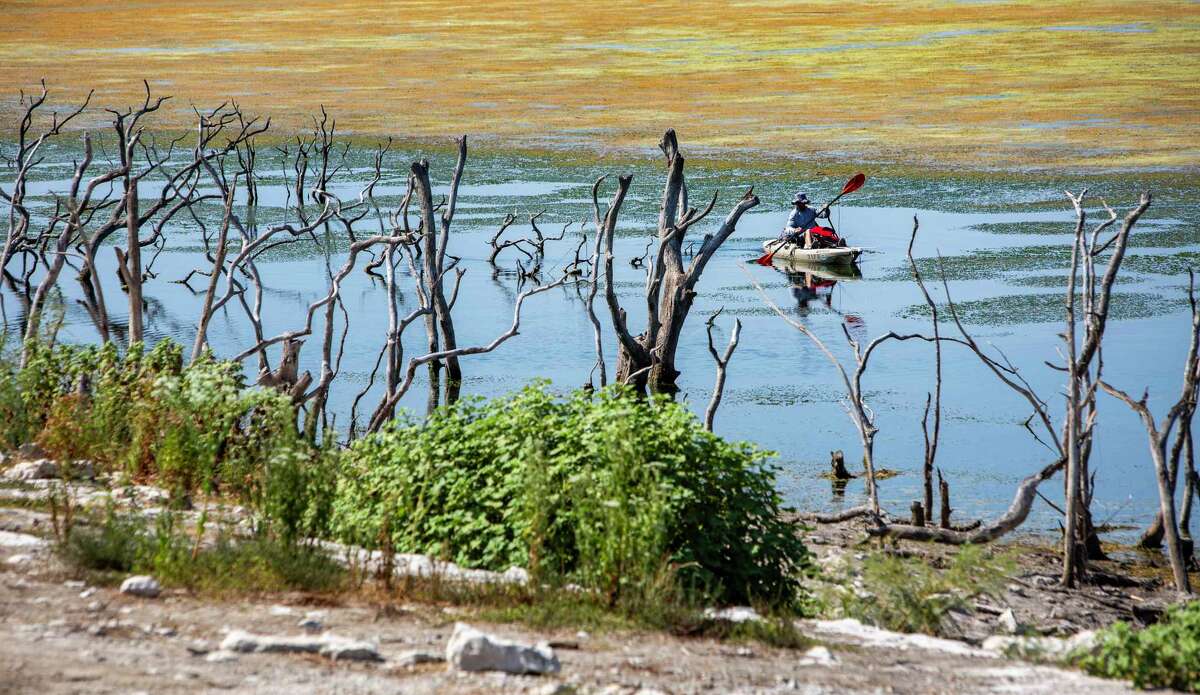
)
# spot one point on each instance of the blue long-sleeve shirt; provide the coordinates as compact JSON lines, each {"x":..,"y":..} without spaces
{"x":804,"y":218}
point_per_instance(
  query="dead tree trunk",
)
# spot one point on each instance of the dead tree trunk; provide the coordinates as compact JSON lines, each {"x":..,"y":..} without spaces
{"x":1084,"y":370}
{"x":648,"y":360}
{"x":218,"y":265}
{"x":1159,"y":435}
{"x":944,"y":495}
{"x":722,"y":362}
{"x":935,"y":399}
{"x":837,"y":466}
{"x":918,"y":514}
{"x":434,"y":241}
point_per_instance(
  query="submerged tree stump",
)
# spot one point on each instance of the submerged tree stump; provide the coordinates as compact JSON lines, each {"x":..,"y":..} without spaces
{"x":837,"y":465}
{"x":918,"y":514}
{"x":944,"y":491}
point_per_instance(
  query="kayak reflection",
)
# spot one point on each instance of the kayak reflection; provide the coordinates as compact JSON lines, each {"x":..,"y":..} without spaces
{"x":811,"y":282}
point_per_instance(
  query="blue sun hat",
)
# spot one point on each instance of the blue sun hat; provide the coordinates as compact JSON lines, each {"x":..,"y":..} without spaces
{"x":800,"y":198}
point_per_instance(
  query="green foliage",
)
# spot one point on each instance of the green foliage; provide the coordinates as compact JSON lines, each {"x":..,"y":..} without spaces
{"x":191,"y":429}
{"x":1166,"y":655}
{"x":908,"y":595}
{"x":628,"y":497}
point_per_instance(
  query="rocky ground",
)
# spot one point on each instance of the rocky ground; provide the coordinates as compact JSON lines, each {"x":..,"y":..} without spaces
{"x":61,"y":635}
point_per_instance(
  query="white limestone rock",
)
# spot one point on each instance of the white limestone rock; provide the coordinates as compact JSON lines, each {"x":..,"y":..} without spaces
{"x":733,"y":614}
{"x":1040,"y":648}
{"x":38,"y":469}
{"x":312,"y":621}
{"x":1008,"y":622}
{"x":472,"y":650}
{"x":12,"y":539}
{"x":141,"y":585}
{"x":328,"y":645}
{"x":219,"y":657}
{"x":818,"y":656}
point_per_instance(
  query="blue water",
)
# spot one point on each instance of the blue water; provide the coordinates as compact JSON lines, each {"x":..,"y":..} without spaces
{"x":781,"y":392}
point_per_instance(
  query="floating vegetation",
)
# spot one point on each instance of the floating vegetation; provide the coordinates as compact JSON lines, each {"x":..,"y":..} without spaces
{"x":1012,"y":309}
{"x":986,"y":263}
{"x":1162,"y":264}
{"x":1066,"y":227}
{"x":1168,"y":237}
{"x":880,"y":474}
{"x":1162,"y":236}
{"x":1058,"y":281}
{"x":774,"y":395}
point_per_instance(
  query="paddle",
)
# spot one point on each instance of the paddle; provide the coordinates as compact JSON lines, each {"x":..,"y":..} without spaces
{"x":856,"y":182}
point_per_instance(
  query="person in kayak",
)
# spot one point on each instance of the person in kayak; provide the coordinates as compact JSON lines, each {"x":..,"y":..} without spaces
{"x":802,"y":219}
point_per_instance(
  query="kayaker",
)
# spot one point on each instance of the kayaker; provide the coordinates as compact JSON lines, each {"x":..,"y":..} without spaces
{"x":802,"y":219}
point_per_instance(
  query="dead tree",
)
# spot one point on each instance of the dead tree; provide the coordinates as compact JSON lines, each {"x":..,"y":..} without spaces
{"x":499,"y":246}
{"x":1083,"y":367}
{"x":129,"y":134}
{"x":1159,"y":435}
{"x":78,"y":211}
{"x":1083,"y":374}
{"x":648,"y":360}
{"x":722,"y":361}
{"x":856,"y":405}
{"x":26,"y":159}
{"x":935,"y":398}
{"x":215,"y":276}
{"x":439,"y":324}
{"x":944,"y":496}
{"x":593,"y":286}
{"x":389,"y":403}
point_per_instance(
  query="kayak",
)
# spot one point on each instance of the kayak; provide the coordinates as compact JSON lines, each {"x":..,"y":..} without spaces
{"x":845,"y":255}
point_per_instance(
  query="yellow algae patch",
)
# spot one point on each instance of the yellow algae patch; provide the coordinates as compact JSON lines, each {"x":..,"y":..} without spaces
{"x":1010,"y":84}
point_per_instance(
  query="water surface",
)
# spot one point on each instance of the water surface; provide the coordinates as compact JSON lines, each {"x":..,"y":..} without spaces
{"x":1002,"y":243}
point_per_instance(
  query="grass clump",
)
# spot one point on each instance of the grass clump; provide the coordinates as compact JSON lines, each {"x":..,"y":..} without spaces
{"x":124,"y":544}
{"x":908,"y":595}
{"x":114,"y":546}
{"x":1166,"y":655}
{"x":629,"y":498}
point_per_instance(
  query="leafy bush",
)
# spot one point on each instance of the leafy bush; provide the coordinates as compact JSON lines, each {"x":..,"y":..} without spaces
{"x":190,"y":429}
{"x":908,"y":595}
{"x":1166,"y":655}
{"x":629,"y":497}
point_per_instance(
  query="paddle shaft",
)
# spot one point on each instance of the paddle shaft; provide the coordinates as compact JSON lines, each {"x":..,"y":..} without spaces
{"x":830,"y":203}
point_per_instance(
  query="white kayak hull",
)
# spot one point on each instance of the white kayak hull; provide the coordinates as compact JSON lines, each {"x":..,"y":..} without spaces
{"x":791,"y":252}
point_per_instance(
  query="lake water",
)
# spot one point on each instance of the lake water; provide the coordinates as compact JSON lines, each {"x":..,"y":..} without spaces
{"x":1004,"y":243}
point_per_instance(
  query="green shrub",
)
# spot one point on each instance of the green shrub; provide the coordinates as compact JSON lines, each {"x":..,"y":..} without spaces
{"x":626,"y":496}
{"x":1166,"y":655}
{"x":191,"y":429}
{"x":908,"y":595}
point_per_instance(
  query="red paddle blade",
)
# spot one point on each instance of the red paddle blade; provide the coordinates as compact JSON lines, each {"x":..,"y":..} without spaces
{"x":856,"y":182}
{"x":765,"y":259}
